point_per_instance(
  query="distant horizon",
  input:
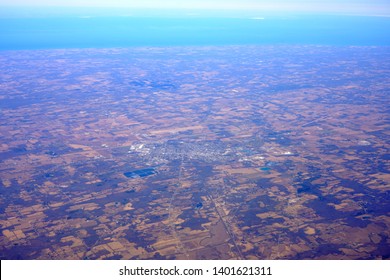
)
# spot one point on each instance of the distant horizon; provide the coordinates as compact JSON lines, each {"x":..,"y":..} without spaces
{"x":199,"y":7}
{"x":31,"y":12}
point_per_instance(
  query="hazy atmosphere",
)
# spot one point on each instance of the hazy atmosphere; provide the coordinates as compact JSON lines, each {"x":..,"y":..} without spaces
{"x":362,"y":7}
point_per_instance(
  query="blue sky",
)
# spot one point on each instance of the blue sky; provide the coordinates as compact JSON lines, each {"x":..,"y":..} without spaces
{"x":362,"y":7}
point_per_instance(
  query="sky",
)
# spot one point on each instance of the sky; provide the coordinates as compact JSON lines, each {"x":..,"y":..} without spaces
{"x":361,"y":7}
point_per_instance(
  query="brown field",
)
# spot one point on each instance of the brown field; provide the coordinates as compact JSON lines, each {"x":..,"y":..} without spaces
{"x":202,"y":153}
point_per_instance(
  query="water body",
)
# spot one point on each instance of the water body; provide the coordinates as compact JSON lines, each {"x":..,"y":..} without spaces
{"x":140,"y":173}
{"x":100,"y":32}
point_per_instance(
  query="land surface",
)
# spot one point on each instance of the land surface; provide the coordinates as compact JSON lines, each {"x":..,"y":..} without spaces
{"x":249,"y":152}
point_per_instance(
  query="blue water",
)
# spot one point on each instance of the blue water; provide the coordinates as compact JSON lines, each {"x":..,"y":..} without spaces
{"x":67,"y":32}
